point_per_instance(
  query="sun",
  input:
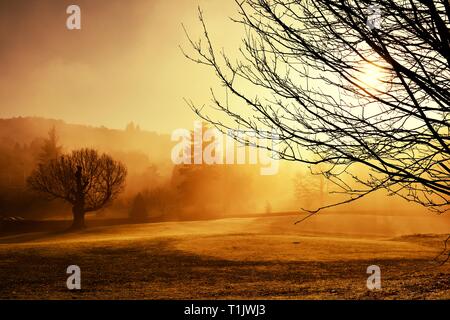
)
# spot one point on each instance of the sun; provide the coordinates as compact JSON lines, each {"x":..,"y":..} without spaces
{"x":371,"y":77}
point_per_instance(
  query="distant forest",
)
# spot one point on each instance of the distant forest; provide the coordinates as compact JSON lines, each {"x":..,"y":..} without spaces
{"x":155,"y":187}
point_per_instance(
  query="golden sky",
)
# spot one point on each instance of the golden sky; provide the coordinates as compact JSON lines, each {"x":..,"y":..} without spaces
{"x":123,"y":65}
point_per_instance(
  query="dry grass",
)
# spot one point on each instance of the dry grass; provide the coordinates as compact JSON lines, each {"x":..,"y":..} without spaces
{"x":230,"y":258}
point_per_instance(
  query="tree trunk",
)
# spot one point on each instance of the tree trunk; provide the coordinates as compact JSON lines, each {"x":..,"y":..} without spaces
{"x":78,"y":218}
{"x":78,"y":208}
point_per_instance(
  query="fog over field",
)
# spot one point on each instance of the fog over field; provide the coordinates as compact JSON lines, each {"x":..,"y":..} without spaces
{"x":208,"y":149}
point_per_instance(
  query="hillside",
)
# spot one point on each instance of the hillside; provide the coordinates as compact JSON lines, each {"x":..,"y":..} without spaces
{"x":24,"y":130}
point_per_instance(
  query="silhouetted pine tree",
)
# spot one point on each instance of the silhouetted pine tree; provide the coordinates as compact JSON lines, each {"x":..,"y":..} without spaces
{"x":50,"y":150}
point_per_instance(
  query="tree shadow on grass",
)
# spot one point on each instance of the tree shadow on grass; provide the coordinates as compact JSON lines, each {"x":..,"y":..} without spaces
{"x":30,"y":237}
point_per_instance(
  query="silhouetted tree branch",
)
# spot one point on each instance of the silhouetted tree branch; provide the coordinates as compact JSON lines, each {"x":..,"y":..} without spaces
{"x":371,"y":106}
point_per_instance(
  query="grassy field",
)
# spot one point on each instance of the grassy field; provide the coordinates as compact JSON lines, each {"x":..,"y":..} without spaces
{"x":247,"y":258}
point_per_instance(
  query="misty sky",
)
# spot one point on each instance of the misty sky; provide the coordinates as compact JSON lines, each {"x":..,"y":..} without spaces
{"x":123,"y":65}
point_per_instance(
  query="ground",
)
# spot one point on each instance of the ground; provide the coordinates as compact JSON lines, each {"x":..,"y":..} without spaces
{"x":242,"y":258}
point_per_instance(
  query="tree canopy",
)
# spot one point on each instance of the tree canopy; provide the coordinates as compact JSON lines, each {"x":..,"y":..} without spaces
{"x":84,"y":178}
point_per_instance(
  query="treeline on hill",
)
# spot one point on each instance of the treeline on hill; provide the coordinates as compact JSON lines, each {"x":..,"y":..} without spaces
{"x":154,"y":190}
{"x":16,"y":163}
{"x":204,"y":191}
{"x":197,"y":192}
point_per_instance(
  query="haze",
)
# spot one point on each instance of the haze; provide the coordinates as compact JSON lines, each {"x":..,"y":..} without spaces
{"x":122,"y":66}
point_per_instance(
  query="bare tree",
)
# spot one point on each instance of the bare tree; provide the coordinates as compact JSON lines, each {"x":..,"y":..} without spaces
{"x":365,"y":102}
{"x":87,"y":180}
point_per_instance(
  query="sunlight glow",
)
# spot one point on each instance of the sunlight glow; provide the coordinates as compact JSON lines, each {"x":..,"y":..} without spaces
{"x":371,"y":77}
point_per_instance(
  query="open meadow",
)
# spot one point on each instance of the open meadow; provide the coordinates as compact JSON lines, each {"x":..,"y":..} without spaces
{"x":325,"y":257}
